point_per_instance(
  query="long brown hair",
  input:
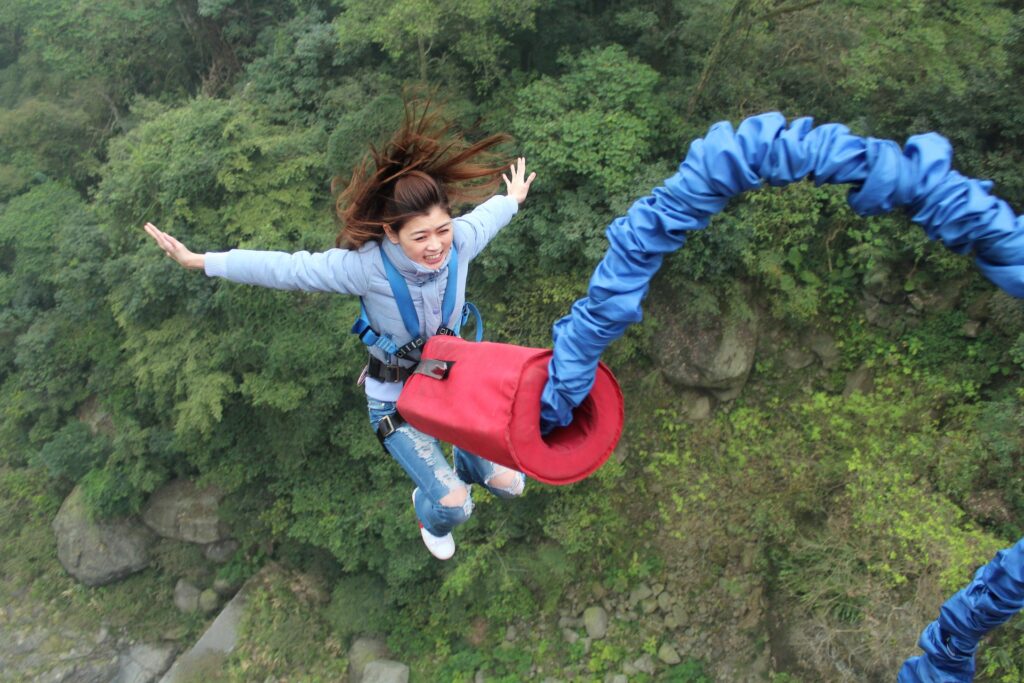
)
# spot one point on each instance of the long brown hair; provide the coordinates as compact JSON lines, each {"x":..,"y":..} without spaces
{"x":424,"y":164}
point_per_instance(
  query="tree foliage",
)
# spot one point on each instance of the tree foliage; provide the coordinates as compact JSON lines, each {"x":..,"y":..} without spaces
{"x":421,"y":36}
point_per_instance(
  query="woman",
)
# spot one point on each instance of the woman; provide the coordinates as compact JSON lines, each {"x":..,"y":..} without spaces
{"x":396,"y":211}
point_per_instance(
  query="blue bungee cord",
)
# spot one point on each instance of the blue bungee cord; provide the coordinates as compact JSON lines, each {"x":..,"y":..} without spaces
{"x":952,"y":208}
{"x":949,"y":642}
{"x":959,"y":211}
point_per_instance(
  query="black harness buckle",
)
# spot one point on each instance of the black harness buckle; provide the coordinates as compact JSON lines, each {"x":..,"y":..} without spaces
{"x":388,"y":425}
{"x":382,"y":372}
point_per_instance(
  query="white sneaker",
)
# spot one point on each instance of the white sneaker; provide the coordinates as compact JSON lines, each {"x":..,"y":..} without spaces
{"x":441,"y":547}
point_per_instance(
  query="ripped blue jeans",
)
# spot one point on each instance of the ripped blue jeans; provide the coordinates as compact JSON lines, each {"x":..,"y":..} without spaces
{"x":423,"y":460}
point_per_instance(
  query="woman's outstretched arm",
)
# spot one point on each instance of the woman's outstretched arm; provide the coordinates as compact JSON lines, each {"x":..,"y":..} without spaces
{"x":335,"y":270}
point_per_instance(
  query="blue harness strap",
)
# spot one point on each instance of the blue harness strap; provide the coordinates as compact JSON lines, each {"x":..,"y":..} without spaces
{"x":451,"y":292}
{"x":400,"y":290}
{"x":468,"y":309}
{"x":368,"y":335}
{"x":407,"y":310}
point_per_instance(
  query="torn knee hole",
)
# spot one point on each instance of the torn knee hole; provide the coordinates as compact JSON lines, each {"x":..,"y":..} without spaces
{"x":455,"y":498}
{"x":510,"y":482}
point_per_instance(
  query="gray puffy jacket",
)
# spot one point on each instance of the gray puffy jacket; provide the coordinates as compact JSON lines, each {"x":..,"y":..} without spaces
{"x":361,"y":272}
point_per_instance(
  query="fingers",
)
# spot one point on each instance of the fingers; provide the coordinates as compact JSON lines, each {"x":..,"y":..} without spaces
{"x":162,"y":239}
{"x":175,"y":244}
{"x":158,"y":236}
{"x":155,"y":233}
{"x":516,"y":182}
{"x":166,"y":243}
{"x":517,"y":171}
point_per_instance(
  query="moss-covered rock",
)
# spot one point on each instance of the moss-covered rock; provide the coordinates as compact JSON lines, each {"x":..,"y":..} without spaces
{"x":99,"y":552}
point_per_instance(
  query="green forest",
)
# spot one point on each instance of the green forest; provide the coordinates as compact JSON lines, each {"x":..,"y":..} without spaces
{"x":802,"y":528}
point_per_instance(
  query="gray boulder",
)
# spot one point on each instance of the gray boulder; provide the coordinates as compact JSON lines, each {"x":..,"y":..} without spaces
{"x":645,"y":664}
{"x":99,"y":552}
{"x":713,"y":352}
{"x":209,"y":601}
{"x":881,"y":314}
{"x":860,"y":381}
{"x":186,"y":596}
{"x":88,"y":671}
{"x":224,"y":587}
{"x":796,"y":358}
{"x":668,"y":654}
{"x":181,"y":511}
{"x":144,"y":663}
{"x":221,"y":551}
{"x":595,"y":620}
{"x":362,"y":652}
{"x":640,"y":593}
{"x":385,"y":671}
{"x":946,"y":295}
{"x":695,"y":406}
{"x":882,"y":283}
{"x":825,"y":348}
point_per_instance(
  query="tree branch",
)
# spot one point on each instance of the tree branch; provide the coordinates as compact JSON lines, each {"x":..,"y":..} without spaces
{"x":714,"y":55}
{"x":730,"y":27}
{"x":783,"y":10}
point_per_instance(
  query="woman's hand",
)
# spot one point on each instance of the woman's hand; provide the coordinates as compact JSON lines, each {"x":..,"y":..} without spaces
{"x":175,"y":249}
{"x":516,"y":184}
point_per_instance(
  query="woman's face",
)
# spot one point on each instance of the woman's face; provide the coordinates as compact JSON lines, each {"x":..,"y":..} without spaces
{"x":426,"y":238}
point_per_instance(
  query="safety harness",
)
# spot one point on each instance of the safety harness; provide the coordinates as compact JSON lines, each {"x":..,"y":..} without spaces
{"x":386,"y":372}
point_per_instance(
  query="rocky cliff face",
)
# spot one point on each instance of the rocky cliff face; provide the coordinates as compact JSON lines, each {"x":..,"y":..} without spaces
{"x":36,"y":644}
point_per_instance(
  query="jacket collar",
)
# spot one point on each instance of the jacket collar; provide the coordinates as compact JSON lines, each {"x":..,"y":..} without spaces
{"x":413,"y":272}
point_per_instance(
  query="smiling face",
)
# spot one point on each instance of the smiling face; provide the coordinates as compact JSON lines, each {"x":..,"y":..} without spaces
{"x":425,"y":238}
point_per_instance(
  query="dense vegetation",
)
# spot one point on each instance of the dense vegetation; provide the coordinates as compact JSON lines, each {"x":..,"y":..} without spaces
{"x":224,"y":121}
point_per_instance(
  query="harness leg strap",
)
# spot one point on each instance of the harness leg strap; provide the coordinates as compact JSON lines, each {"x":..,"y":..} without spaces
{"x":388,"y":425}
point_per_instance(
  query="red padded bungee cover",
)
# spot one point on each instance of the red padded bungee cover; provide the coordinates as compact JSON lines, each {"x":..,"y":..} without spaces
{"x":490,"y":405}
